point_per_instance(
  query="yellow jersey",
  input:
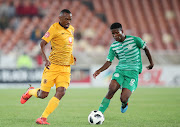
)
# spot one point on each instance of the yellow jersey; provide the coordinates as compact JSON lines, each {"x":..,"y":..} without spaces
{"x":62,"y":44}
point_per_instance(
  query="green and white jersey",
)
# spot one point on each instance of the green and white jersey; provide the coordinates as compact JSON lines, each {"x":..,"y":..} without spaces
{"x":128,"y":53}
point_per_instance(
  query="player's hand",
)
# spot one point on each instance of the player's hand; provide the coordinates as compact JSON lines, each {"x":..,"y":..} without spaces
{"x":96,"y":73}
{"x":150,"y":66}
{"x":75,"y":60}
{"x":47,"y":64}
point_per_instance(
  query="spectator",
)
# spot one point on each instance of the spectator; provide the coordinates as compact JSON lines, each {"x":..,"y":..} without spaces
{"x":37,"y":33}
{"x":39,"y":60}
{"x":10,"y":9}
{"x":27,"y":8}
{"x":3,"y":9}
{"x":78,"y":35}
{"x":24,"y":61}
{"x":4,"y":22}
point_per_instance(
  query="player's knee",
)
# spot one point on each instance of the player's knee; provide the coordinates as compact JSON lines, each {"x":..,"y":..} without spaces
{"x":60,"y":94}
{"x":43,"y":95}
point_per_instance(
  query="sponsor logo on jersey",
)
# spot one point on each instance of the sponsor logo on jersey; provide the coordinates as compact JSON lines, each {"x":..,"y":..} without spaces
{"x":47,"y":34}
{"x":70,"y":40}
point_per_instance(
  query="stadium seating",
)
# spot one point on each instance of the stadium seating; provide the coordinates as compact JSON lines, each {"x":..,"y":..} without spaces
{"x":156,"y":21}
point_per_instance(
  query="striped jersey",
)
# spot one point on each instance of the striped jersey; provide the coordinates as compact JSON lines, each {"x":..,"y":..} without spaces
{"x":62,"y":44}
{"x":128,"y":53}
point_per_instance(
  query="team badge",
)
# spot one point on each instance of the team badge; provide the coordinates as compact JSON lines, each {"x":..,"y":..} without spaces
{"x":70,"y":39}
{"x":47,"y":34}
{"x":45,"y":81}
{"x":130,"y":46}
{"x":116,"y":75}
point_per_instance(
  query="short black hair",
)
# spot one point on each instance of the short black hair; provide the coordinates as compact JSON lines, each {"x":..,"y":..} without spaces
{"x":65,"y":11}
{"x":116,"y":25}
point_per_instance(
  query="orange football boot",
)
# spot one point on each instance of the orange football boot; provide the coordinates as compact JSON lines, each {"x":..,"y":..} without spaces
{"x":42,"y":121}
{"x":26,"y":95}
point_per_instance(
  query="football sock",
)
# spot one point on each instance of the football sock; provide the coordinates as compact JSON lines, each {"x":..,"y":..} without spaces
{"x":33,"y":92}
{"x":104,"y":104}
{"x":52,"y":105}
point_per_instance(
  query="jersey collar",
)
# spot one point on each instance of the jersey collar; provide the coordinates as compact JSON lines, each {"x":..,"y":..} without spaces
{"x":63,"y":26}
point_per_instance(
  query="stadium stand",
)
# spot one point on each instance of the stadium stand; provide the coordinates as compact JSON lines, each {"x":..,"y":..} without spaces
{"x":156,"y":21}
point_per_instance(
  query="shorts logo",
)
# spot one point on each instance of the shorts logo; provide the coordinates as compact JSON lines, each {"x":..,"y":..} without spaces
{"x":116,"y":75}
{"x":47,"y":34}
{"x":70,"y":40}
{"x":45,"y":81}
{"x":132,"y":82}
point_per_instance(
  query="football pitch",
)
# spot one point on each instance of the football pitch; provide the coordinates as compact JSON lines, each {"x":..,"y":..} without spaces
{"x":148,"y":107}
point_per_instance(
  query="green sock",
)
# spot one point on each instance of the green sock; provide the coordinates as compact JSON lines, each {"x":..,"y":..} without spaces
{"x":104,"y":104}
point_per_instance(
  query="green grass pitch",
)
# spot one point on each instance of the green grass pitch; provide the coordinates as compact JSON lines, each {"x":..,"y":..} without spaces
{"x":148,"y":107}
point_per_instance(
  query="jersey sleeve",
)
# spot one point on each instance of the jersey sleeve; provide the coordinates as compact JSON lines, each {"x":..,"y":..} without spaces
{"x":49,"y":34}
{"x":140,"y":43}
{"x":111,"y":55}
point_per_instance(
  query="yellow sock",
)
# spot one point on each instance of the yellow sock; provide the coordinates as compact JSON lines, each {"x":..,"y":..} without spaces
{"x":52,"y":105}
{"x":33,"y":92}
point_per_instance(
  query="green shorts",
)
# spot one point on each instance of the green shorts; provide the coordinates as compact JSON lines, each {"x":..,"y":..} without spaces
{"x":126,"y":79}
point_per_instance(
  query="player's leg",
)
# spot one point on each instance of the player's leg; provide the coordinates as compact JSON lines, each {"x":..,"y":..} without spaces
{"x":47,"y":81}
{"x":38,"y":93}
{"x":43,"y":93}
{"x":113,"y":87}
{"x":54,"y":102}
{"x":62,"y":83}
{"x":125,"y":95}
{"x":129,"y":85}
{"x":116,"y":81}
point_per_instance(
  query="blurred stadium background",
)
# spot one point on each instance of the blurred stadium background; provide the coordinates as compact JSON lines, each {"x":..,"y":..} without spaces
{"x":24,"y":22}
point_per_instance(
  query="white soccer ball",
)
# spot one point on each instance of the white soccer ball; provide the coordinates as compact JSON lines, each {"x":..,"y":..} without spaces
{"x":96,"y":117}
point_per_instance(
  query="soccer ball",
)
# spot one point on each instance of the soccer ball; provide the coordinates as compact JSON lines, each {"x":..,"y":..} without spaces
{"x":96,"y":117}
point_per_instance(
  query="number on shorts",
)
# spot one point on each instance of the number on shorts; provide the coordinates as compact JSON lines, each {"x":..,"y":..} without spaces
{"x":132,"y":82}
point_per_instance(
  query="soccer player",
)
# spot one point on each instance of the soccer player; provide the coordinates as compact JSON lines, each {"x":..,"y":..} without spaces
{"x":126,"y":49}
{"x":57,"y":67}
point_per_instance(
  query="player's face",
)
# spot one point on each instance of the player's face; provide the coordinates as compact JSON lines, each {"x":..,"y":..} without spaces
{"x":65,"y":19}
{"x":117,"y":34}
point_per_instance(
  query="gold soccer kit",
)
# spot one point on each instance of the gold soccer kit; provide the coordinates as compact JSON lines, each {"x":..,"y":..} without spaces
{"x":60,"y":57}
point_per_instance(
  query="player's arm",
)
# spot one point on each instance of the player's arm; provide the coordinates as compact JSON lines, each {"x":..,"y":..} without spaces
{"x":108,"y":63}
{"x":104,"y":67}
{"x":149,"y":58}
{"x":142,"y":45}
{"x":47,"y":62}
